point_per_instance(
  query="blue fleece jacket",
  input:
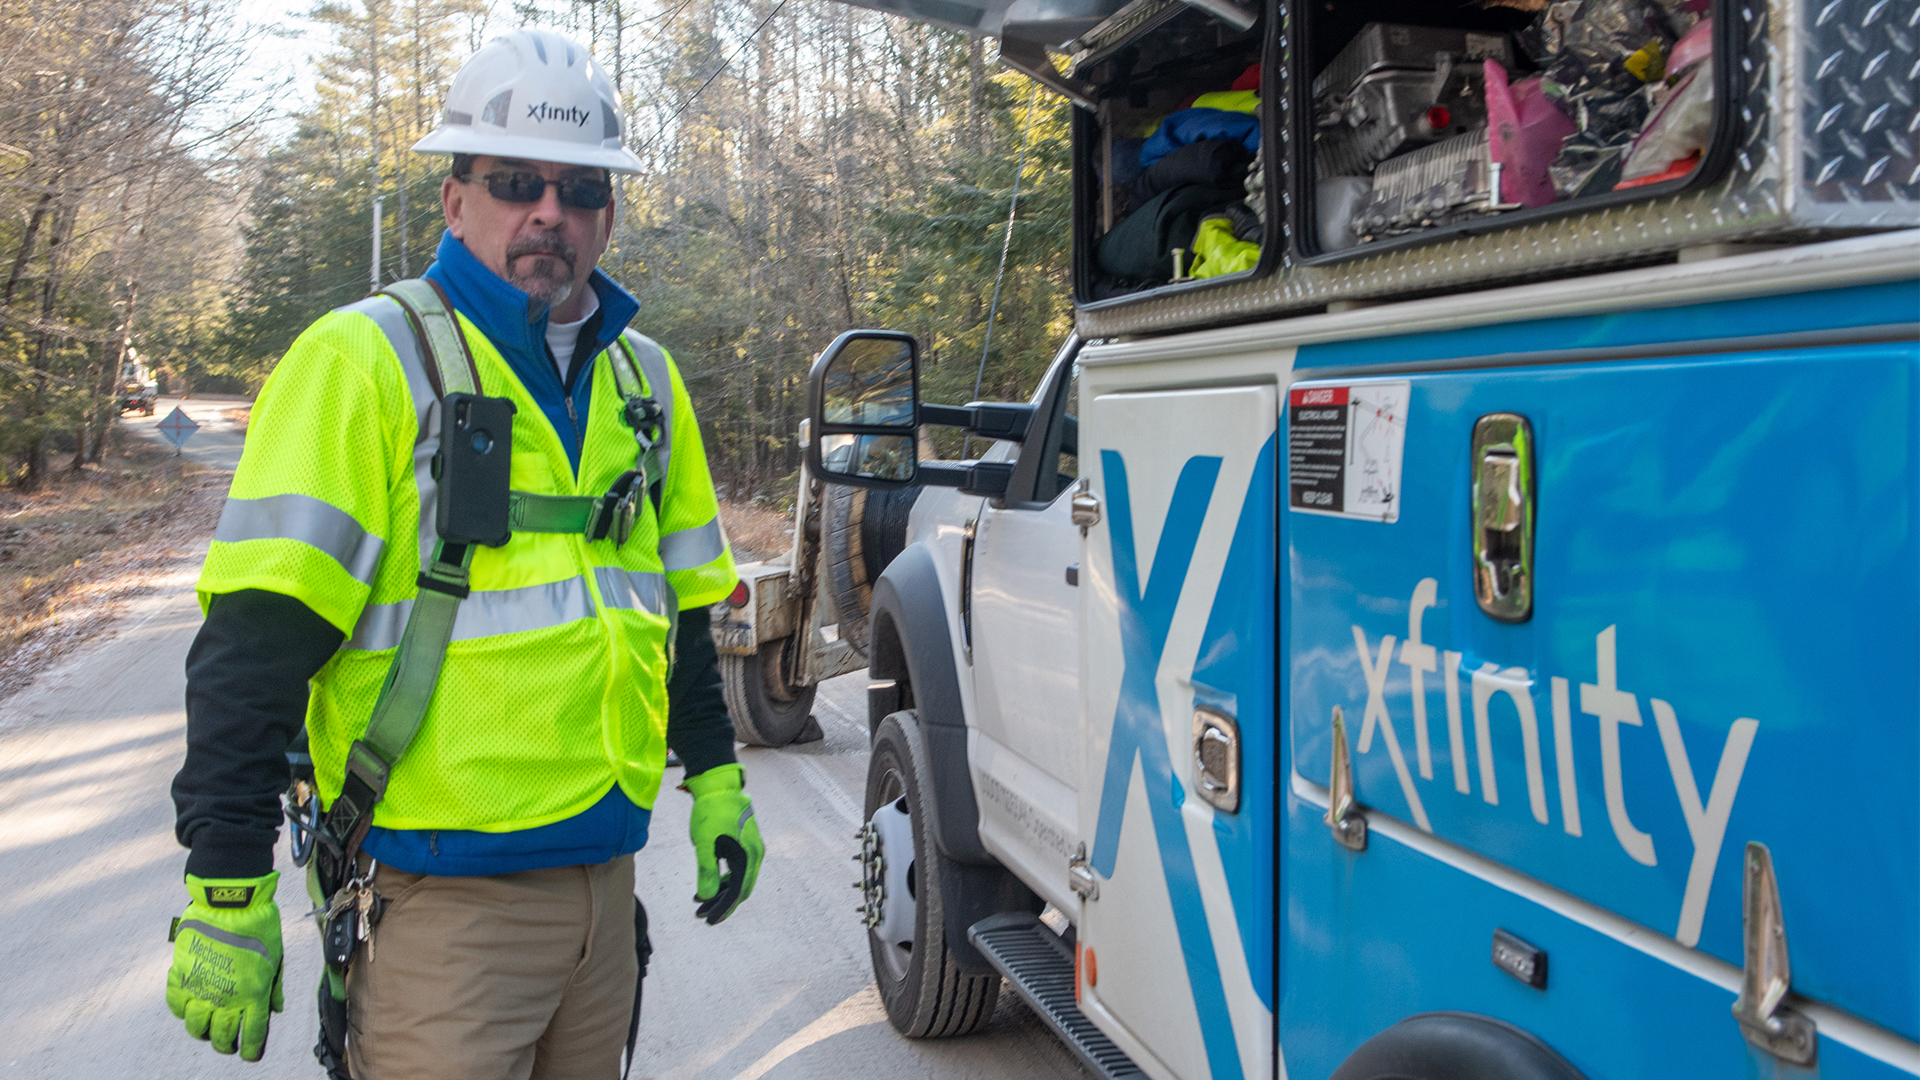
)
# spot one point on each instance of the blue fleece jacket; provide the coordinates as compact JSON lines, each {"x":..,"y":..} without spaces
{"x":517,"y":327}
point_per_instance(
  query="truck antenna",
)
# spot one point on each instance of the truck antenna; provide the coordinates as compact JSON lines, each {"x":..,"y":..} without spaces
{"x":1006,"y":244}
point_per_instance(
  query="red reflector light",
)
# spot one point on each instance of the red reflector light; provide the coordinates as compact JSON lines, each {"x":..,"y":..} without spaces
{"x":1439,"y":117}
{"x":738,"y":598}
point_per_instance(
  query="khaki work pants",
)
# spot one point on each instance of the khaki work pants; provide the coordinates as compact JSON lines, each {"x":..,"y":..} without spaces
{"x":524,"y":976}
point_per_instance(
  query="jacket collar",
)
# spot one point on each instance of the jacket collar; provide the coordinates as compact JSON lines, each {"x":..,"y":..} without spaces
{"x":509,"y":318}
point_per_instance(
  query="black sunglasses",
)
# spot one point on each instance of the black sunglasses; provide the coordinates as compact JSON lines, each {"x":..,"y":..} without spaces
{"x":580,"y":192}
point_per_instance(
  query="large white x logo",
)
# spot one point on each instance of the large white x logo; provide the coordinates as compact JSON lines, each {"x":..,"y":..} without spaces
{"x":1376,"y":672}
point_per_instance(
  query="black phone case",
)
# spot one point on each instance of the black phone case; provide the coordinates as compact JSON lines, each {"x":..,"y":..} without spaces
{"x":475,"y":466}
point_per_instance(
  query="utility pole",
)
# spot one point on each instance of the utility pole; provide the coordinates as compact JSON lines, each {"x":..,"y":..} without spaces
{"x":377,"y":200}
{"x":620,"y":53}
{"x":373,"y":128}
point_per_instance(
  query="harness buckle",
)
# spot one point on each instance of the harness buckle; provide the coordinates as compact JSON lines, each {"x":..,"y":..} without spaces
{"x":643,"y":415}
{"x":615,"y":512}
{"x":624,"y":513}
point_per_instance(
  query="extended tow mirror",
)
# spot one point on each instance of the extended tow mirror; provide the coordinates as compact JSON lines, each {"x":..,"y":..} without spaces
{"x":864,"y":406}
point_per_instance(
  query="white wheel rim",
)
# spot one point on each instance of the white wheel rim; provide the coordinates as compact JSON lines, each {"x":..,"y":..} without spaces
{"x":891,"y":909}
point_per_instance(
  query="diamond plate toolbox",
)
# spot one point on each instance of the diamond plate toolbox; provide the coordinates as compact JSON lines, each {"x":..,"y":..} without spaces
{"x":1828,"y":145}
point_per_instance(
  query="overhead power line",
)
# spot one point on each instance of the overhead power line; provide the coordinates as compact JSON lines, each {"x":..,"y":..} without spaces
{"x":716,"y":74}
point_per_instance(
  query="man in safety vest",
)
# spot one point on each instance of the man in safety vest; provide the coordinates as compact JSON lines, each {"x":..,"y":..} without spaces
{"x":469,"y":513}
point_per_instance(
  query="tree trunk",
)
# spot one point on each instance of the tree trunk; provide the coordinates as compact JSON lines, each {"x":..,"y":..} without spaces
{"x":27,"y":240}
{"x":36,"y":410}
{"x":977,"y":95}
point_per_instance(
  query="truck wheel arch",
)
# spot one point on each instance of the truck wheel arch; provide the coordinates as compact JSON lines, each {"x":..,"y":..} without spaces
{"x":910,"y":643}
{"x":1455,"y":1046}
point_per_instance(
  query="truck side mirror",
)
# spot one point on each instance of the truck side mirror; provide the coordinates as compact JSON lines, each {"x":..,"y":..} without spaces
{"x":863,"y":404}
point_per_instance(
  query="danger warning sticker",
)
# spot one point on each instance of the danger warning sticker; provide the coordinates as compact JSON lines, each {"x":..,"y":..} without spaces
{"x":1343,"y":448}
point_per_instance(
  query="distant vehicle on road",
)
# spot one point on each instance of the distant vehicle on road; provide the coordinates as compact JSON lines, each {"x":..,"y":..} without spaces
{"x":138,"y":388}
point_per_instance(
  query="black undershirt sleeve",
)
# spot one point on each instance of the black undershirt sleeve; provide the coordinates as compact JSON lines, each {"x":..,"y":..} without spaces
{"x":698,"y":727}
{"x":247,"y":676}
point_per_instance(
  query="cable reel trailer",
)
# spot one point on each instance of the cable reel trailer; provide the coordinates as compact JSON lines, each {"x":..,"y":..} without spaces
{"x":801,"y":618}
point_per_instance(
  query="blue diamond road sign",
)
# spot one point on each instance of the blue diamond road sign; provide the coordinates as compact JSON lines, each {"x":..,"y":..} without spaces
{"x":178,"y":427}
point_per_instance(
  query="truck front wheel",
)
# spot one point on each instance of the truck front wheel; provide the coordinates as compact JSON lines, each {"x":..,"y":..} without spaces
{"x":926,"y":994}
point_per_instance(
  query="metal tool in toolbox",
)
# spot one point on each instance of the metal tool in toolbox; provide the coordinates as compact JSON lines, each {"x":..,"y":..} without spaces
{"x":1437,"y":184}
{"x":1395,"y":88}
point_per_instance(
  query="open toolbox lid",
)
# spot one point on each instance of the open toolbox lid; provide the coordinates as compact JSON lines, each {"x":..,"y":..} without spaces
{"x":1821,"y":141}
{"x":1040,"y":22}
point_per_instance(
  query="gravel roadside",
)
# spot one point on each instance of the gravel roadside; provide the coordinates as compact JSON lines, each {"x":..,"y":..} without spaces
{"x":74,"y":553}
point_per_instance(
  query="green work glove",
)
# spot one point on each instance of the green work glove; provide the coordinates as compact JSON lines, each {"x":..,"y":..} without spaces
{"x":723,"y":829}
{"x":226,"y":962}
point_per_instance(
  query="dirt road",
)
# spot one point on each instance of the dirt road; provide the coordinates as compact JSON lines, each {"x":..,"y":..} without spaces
{"x":92,"y":875}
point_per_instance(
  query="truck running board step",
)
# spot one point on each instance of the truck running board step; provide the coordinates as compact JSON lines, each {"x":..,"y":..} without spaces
{"x":1040,"y":967}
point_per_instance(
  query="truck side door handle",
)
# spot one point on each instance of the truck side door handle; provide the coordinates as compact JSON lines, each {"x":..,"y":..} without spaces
{"x":1503,"y":502}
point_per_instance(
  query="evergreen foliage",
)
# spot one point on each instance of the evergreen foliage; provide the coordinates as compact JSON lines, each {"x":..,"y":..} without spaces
{"x":835,"y":169}
{"x":117,"y":121}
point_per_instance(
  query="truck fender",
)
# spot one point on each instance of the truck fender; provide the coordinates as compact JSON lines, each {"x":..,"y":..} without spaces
{"x":1455,"y":1046}
{"x":910,"y":642}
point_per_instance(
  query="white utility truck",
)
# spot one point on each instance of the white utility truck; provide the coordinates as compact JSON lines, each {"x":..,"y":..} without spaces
{"x":1451,"y":608}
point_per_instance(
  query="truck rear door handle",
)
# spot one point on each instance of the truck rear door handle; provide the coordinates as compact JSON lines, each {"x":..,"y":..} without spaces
{"x":1343,"y":817}
{"x":1080,"y":877}
{"x":1503,"y":505}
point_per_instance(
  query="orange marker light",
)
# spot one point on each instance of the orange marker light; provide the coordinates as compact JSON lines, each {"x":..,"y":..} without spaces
{"x":1093,"y":969}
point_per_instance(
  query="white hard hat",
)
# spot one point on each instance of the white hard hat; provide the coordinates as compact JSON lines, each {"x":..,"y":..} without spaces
{"x":536,"y":95}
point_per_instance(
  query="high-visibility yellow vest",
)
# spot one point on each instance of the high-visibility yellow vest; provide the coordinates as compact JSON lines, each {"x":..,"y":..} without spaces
{"x":554,"y":685}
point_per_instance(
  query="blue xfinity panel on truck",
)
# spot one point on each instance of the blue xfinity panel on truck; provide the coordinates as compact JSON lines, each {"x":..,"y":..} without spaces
{"x":1452,"y":609}
{"x":1594,"y":642}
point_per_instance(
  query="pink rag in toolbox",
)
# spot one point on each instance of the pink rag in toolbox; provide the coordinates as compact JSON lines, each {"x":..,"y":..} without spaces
{"x":1524,"y":133}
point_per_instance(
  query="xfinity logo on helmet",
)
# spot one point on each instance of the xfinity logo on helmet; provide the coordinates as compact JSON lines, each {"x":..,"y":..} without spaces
{"x":544,"y":112}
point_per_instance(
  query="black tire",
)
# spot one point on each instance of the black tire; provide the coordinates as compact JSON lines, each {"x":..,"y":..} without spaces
{"x":865,"y":530}
{"x":1455,"y":1046}
{"x":847,"y":582}
{"x":925,"y":993}
{"x":766,"y":711}
{"x":883,"y":528}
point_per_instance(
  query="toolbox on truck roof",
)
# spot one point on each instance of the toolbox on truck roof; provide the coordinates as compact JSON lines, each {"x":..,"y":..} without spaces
{"x":1786,"y":121}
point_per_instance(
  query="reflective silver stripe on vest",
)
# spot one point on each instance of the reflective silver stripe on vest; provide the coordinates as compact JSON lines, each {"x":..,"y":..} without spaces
{"x":692,"y":548}
{"x":310,"y":521}
{"x":388,"y":315}
{"x":488,"y":613}
{"x":653,"y":367}
{"x":633,"y":589}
